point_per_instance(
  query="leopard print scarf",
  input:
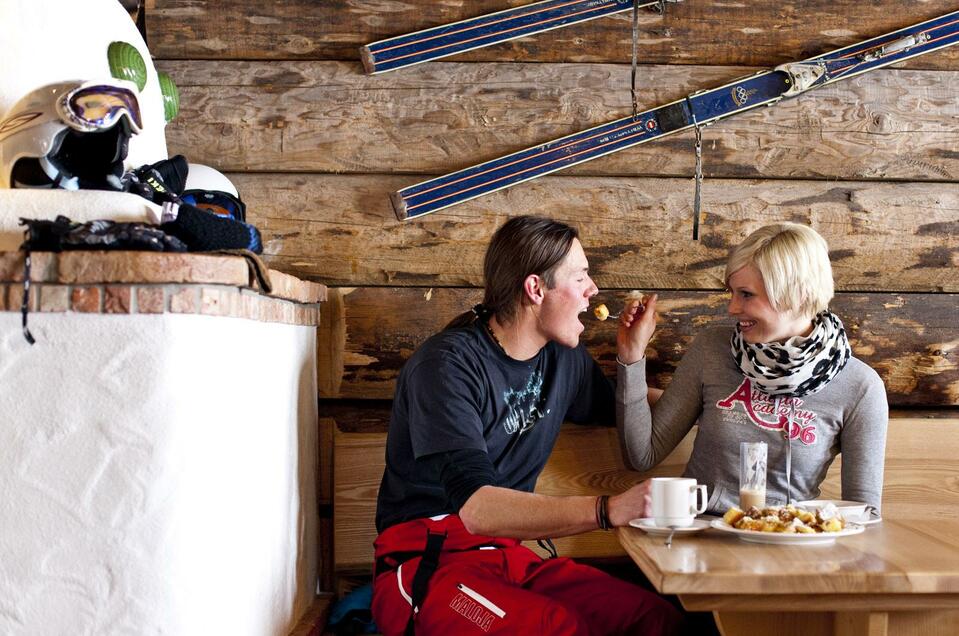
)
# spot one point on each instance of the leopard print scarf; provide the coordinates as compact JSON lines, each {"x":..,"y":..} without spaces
{"x":801,"y":365}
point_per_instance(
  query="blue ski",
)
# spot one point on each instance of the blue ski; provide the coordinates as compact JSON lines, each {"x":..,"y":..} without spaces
{"x":493,"y":28}
{"x":698,"y":109}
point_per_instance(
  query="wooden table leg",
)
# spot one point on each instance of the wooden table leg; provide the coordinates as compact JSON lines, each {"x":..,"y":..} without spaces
{"x":924,"y":623}
{"x":779,"y":623}
{"x":862,"y":624}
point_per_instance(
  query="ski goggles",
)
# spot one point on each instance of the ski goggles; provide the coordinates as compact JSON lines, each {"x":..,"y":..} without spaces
{"x":217,"y":202}
{"x":98,"y":106}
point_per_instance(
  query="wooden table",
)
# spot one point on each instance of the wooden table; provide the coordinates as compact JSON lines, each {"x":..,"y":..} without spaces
{"x":899,"y":577}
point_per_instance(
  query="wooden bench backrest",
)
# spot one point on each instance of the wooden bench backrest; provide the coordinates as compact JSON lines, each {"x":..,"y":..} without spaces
{"x":922,"y":466}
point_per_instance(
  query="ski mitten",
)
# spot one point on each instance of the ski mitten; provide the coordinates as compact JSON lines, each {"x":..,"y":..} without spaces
{"x":204,"y":231}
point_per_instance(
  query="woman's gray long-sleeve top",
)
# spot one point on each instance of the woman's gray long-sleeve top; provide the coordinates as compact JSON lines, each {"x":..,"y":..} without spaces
{"x":849,"y":415}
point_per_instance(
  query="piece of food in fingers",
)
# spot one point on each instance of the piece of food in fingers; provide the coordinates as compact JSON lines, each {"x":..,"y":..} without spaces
{"x":601,"y":312}
{"x":637,"y":295}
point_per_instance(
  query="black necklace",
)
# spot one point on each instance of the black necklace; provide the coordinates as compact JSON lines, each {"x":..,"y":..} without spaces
{"x":489,"y":330}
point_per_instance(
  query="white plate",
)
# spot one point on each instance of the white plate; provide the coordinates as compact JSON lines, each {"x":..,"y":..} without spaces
{"x":650,"y":527}
{"x":852,"y":511}
{"x":783,"y":538}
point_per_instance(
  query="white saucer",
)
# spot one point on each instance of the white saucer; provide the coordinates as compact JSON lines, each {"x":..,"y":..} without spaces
{"x":871,"y":517}
{"x":649,"y":527}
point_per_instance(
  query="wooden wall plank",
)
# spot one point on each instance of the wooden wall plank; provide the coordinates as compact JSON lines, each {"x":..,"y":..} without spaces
{"x":341,"y":230}
{"x":921,"y":464}
{"x":325,"y":117}
{"x":694,"y":32}
{"x":330,"y":343}
{"x":910,"y":339}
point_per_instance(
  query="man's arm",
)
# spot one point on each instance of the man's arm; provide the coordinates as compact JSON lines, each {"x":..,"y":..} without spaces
{"x":469,"y":479}
{"x":502,"y":512}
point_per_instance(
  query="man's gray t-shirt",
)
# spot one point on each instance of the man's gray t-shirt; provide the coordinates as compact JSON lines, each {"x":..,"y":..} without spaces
{"x":849,"y":415}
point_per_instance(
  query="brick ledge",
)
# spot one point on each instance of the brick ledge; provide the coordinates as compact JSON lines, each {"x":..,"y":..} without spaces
{"x":145,"y":268}
{"x":152,"y":299}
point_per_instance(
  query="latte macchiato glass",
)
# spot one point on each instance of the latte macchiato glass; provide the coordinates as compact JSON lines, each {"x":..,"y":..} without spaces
{"x":676,"y":501}
{"x":752,"y":474}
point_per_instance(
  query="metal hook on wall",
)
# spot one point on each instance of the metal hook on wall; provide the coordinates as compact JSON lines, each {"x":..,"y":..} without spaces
{"x":697,"y":199}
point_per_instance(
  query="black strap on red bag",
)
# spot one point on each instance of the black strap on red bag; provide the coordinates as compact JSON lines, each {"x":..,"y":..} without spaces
{"x":425,"y":571}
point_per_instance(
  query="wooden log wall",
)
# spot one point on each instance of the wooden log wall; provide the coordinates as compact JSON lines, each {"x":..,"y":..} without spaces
{"x":273,"y":94}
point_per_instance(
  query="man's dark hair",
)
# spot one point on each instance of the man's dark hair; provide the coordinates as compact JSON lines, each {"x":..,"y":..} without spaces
{"x":524,"y":245}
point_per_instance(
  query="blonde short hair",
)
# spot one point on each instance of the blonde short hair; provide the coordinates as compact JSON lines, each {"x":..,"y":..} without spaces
{"x":794,"y":263}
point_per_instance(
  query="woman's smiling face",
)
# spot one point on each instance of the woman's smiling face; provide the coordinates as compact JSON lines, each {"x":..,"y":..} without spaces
{"x":758,"y":320}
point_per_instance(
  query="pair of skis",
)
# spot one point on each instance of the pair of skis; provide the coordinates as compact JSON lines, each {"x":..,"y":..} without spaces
{"x":694,"y":111}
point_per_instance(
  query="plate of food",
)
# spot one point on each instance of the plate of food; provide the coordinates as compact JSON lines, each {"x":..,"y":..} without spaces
{"x":787,"y":525}
{"x":852,"y":511}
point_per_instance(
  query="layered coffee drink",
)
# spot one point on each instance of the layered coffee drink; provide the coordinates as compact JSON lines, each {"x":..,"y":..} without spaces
{"x":752,"y":497}
{"x":752,"y":475}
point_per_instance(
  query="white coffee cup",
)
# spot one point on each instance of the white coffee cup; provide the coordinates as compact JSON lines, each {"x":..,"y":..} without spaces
{"x":676,"y":501}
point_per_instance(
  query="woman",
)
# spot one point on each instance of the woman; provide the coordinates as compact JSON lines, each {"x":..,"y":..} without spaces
{"x":786,"y":376}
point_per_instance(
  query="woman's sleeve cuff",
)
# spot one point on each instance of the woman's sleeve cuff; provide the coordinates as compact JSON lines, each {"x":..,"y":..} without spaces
{"x":631,"y":381}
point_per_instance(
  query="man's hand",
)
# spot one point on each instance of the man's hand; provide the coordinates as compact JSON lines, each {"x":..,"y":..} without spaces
{"x":632,"y":504}
{"x":636,"y":327}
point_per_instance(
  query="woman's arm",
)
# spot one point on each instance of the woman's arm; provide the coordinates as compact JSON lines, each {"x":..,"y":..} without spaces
{"x":862,"y":443}
{"x":649,"y":433}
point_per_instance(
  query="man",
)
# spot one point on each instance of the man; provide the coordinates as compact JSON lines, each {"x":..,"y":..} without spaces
{"x":477,"y":410}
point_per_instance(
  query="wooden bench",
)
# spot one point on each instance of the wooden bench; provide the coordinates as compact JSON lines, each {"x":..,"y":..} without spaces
{"x":921,"y":478}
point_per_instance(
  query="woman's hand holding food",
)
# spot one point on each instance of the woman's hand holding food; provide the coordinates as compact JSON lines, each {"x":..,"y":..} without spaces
{"x":636,"y":326}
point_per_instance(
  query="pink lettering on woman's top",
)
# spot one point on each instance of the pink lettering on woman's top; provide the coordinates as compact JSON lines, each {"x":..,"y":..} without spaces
{"x":757,"y":404}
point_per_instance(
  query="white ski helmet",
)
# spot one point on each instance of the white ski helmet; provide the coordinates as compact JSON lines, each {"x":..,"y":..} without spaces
{"x":93,"y":39}
{"x":209,"y":189}
{"x":69,"y":135}
{"x":201,"y":177}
